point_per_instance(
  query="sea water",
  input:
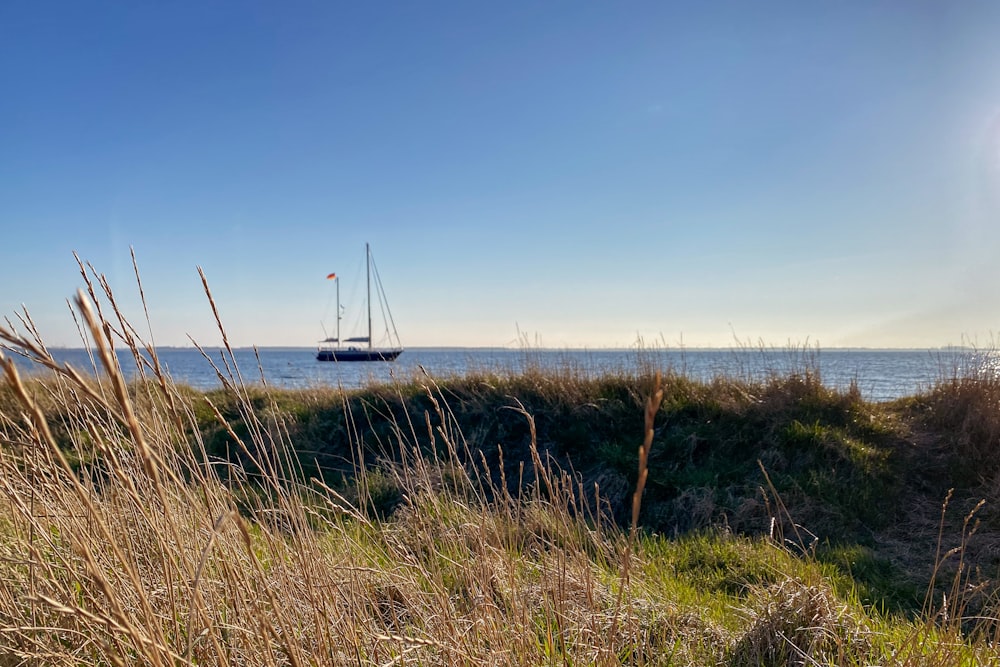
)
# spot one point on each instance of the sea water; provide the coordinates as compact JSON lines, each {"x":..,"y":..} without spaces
{"x":881,"y":375}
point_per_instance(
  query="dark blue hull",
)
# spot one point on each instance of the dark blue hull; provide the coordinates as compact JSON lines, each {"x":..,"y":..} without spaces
{"x":357,"y":355}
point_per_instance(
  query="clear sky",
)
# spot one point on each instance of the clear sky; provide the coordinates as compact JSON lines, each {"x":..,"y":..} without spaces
{"x":586,"y":173}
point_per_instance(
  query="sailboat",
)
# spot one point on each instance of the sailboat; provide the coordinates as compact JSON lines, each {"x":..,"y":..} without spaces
{"x":360,"y":348}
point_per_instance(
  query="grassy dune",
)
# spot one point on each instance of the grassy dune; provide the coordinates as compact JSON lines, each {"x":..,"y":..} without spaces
{"x":491,"y":519}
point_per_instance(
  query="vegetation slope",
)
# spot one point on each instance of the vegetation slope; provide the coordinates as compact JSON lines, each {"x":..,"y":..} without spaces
{"x":492,"y":518}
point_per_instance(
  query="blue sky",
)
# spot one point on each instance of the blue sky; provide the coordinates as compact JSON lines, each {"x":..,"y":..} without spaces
{"x":584,"y":173}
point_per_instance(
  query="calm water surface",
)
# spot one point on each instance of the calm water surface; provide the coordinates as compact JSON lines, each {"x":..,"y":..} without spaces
{"x":880,"y":374}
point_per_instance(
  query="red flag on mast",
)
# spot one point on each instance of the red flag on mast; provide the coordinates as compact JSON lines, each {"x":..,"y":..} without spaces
{"x":331,"y":276}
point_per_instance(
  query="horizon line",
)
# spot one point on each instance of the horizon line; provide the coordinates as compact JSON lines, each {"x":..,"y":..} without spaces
{"x":543,"y":348}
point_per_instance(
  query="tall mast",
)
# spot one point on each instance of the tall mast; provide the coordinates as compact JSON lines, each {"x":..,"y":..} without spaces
{"x":336,"y":279}
{"x":368,"y":272}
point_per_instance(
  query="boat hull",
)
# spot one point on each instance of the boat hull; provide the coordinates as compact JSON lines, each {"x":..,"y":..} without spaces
{"x":357,"y":355}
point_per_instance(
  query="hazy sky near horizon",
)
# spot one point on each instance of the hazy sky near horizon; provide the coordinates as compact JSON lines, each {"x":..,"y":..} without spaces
{"x":585,"y":174}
